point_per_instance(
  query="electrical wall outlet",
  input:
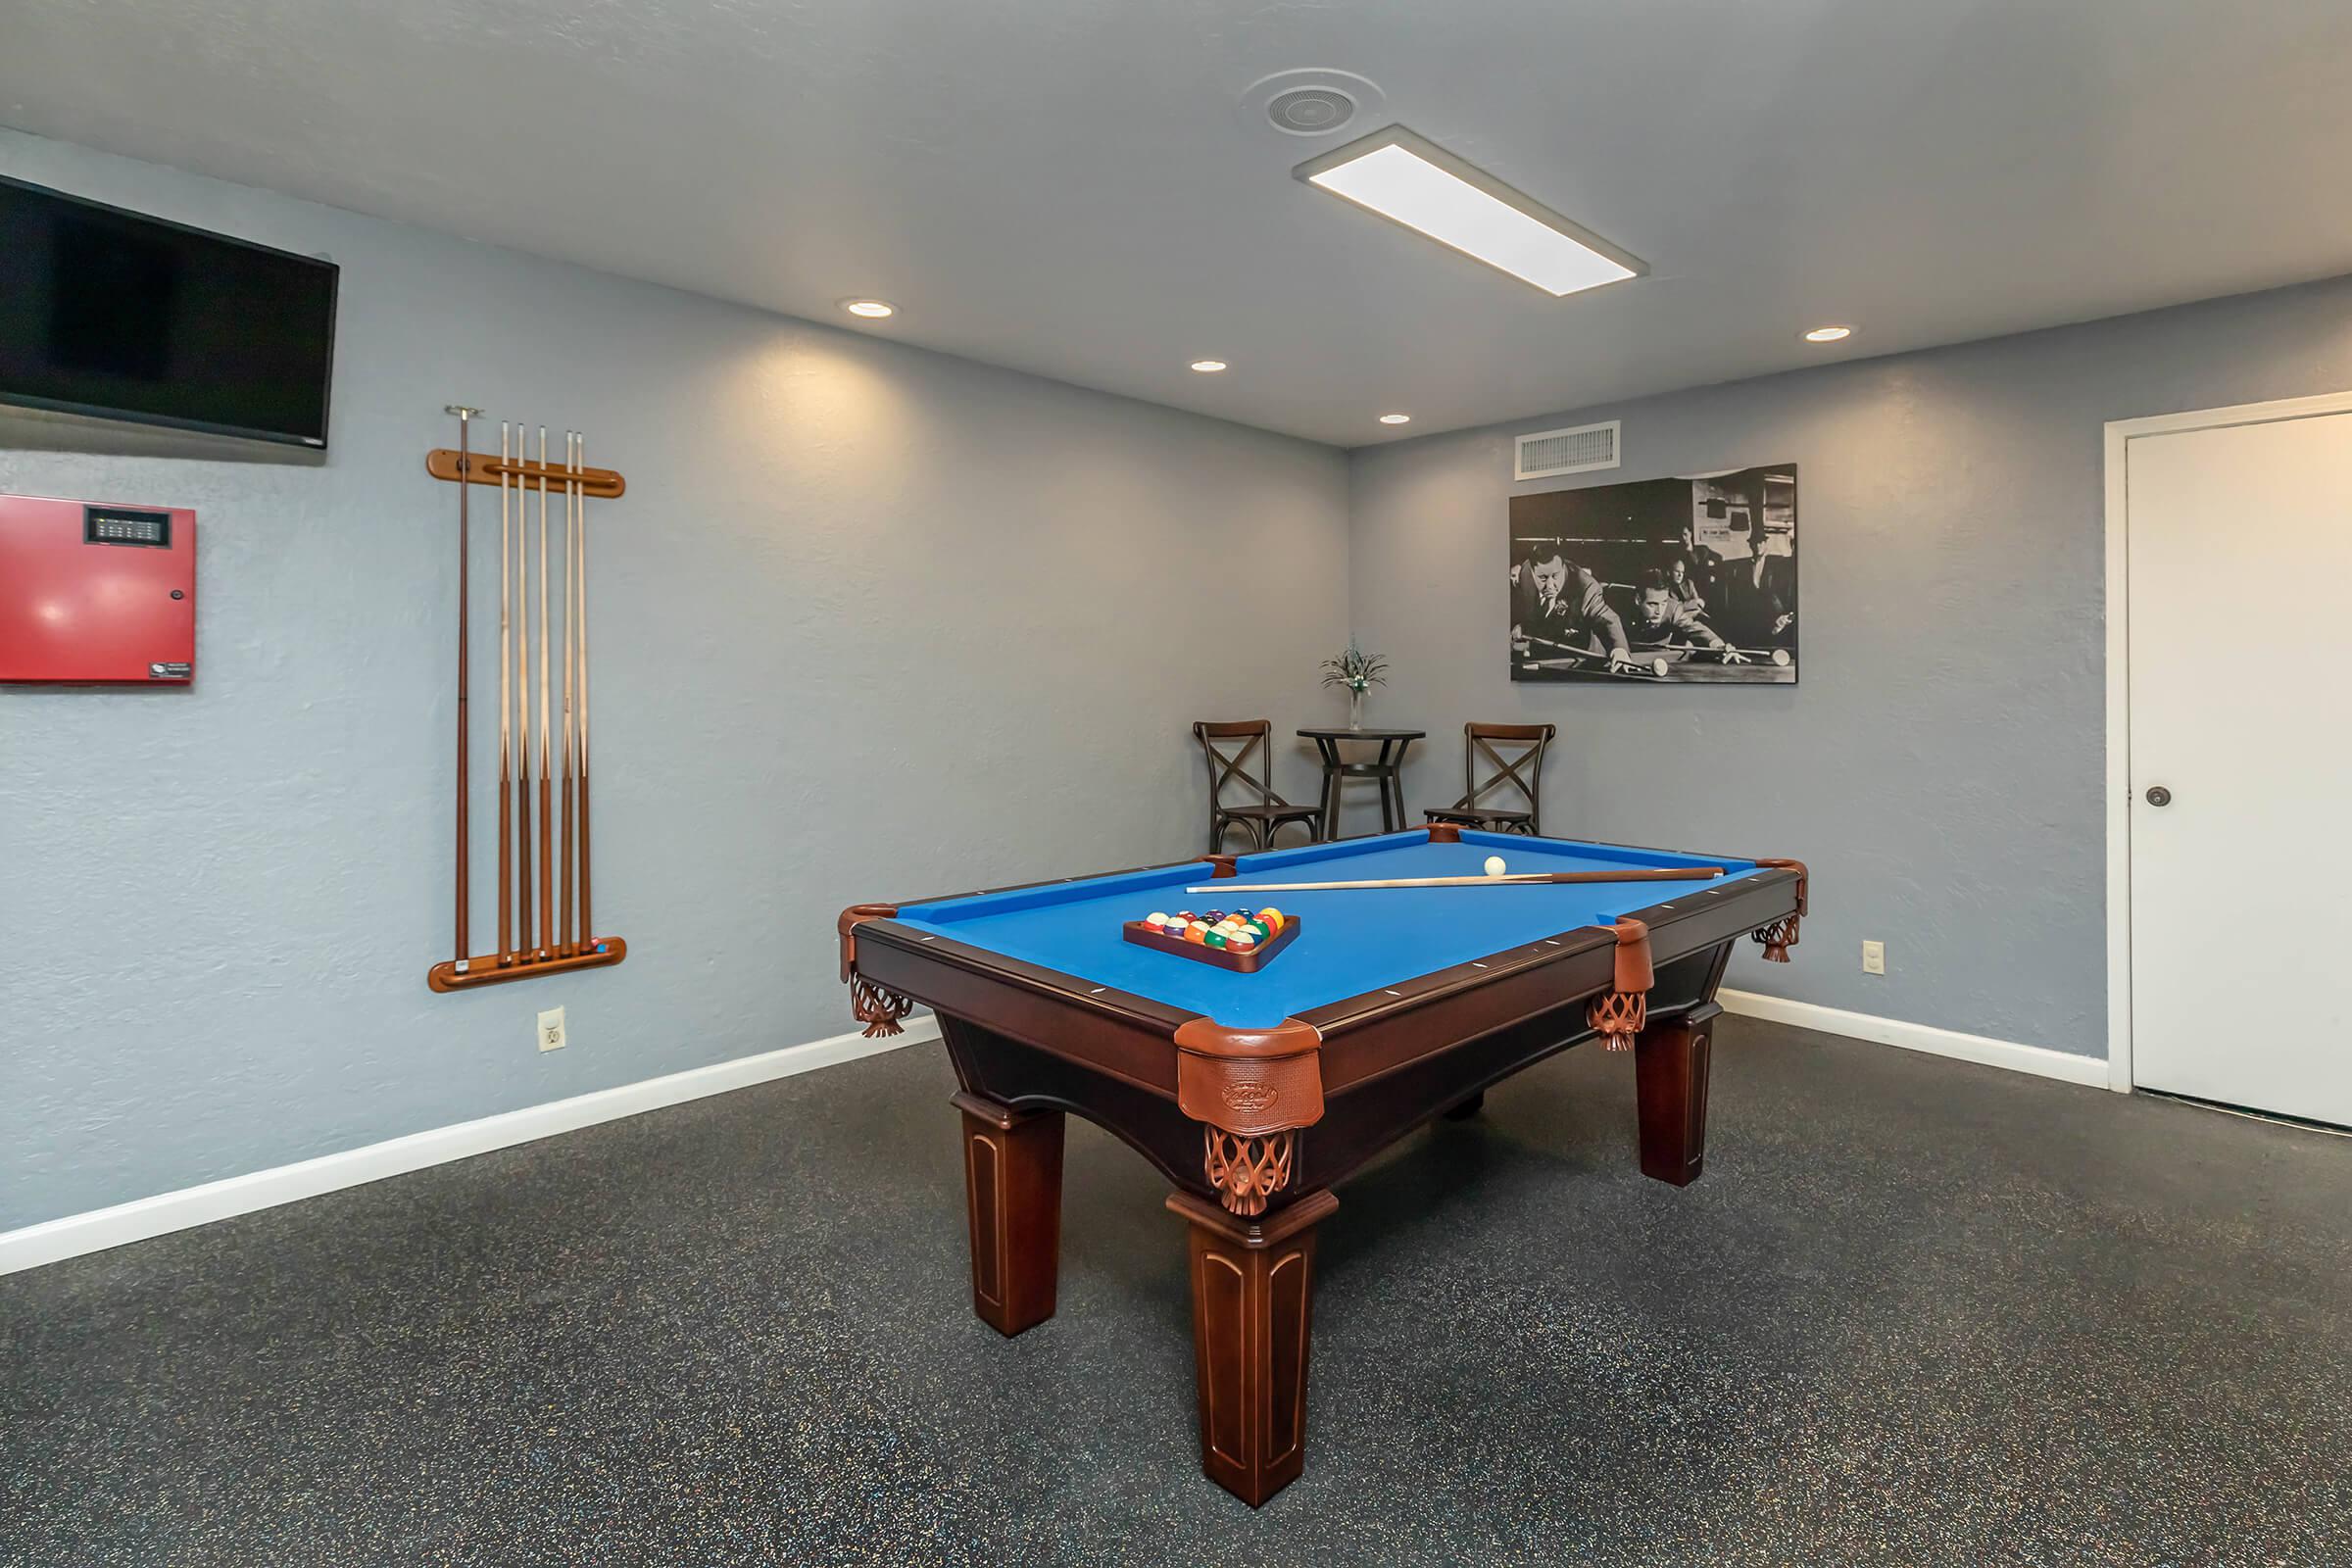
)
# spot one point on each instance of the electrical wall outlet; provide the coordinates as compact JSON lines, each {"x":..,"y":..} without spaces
{"x":1874,"y":962}
{"x":551,"y":1029}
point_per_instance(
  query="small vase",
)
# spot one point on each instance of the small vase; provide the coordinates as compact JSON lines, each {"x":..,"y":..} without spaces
{"x":1355,"y":709}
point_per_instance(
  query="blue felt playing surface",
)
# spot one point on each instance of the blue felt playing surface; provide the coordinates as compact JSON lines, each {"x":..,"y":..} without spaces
{"x":1353,"y":942}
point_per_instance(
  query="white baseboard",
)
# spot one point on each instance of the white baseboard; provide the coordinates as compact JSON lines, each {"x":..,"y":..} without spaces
{"x":2039,"y":1060}
{"x":165,"y":1212}
{"x":77,"y":1234}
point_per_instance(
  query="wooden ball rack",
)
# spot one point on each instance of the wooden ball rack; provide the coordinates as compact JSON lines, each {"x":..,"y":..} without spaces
{"x":1146,"y":935}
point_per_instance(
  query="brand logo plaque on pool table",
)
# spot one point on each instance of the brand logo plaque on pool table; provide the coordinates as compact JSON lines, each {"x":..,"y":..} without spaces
{"x":1249,"y":1097}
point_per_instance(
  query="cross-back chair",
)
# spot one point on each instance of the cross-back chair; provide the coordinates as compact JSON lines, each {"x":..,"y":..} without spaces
{"x":1514,"y":755}
{"x":1254,"y":805}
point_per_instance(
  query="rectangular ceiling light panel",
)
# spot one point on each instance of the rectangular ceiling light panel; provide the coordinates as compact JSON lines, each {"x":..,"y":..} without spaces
{"x":1411,"y":181}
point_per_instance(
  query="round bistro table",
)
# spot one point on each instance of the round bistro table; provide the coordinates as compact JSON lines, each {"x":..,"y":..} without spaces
{"x":1383,"y":767}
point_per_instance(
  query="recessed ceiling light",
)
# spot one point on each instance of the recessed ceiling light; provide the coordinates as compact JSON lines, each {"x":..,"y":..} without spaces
{"x":1208,"y":366}
{"x":1396,"y":418}
{"x":1829,"y":334}
{"x":1411,"y":181}
{"x":872,"y":309}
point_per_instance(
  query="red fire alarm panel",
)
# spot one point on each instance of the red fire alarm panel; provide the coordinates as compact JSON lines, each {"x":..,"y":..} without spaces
{"x":92,"y":592}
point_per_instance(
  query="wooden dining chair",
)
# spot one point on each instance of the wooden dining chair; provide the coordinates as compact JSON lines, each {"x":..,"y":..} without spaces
{"x":1254,"y":806}
{"x":1513,"y":754}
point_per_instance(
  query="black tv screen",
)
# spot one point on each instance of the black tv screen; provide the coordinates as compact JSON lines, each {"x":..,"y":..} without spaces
{"x":108,"y":313}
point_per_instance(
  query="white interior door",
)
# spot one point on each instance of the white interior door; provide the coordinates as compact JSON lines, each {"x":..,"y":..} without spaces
{"x":2239,"y":556}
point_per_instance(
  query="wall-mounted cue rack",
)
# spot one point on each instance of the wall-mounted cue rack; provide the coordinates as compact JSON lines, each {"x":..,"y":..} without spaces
{"x":546,"y":925}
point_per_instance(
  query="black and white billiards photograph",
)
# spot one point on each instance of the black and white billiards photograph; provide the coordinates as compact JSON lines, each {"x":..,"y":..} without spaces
{"x":1657,"y":580}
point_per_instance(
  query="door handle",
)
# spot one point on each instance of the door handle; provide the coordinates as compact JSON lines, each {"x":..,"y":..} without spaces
{"x":2157,"y":795}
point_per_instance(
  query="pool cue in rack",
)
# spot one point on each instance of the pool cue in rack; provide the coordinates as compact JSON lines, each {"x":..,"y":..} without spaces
{"x":546,"y":923}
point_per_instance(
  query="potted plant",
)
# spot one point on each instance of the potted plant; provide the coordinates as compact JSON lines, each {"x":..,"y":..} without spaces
{"x":1357,"y":672}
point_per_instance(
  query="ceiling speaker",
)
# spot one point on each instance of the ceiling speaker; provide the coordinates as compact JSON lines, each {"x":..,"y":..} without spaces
{"x":1312,"y":100}
{"x":1312,"y":111}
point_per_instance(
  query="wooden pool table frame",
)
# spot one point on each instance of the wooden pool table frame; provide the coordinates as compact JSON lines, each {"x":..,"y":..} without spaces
{"x":1255,"y":1126}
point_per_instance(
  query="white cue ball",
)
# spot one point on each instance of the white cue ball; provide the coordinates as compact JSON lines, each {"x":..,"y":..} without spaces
{"x":1494,"y":865}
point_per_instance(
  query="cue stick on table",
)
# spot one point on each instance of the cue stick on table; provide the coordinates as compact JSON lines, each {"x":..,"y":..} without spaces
{"x":1609,"y":665}
{"x":1693,"y":873}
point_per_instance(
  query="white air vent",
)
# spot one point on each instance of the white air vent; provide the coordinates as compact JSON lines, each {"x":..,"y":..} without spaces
{"x":1548,"y":454}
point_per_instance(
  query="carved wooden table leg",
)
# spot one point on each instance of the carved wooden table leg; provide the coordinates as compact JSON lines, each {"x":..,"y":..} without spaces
{"x":1253,"y":1298}
{"x":1012,"y":1189}
{"x":1669,"y":1074}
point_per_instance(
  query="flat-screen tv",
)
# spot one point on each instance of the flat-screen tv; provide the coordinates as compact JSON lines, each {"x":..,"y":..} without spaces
{"x":109,"y":312}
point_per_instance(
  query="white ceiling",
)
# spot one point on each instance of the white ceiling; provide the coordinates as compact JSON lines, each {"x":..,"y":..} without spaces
{"x":1067,"y":188}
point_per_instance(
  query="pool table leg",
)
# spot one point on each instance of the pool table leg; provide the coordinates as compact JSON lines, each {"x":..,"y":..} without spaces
{"x":1252,"y":1299}
{"x":1670,"y":1079}
{"x":1013,"y":1189}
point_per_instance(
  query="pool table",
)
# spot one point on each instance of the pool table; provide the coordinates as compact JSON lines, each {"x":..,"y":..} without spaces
{"x":1255,"y":1093}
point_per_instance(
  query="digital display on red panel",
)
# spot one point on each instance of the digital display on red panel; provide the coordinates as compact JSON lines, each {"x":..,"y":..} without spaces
{"x":94,"y":592}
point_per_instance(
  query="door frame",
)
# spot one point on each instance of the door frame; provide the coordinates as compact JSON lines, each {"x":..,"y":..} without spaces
{"x":2117,"y":788}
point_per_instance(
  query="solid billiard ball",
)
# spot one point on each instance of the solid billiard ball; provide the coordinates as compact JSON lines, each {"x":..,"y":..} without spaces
{"x":1494,"y":865}
{"x":1275,"y":919}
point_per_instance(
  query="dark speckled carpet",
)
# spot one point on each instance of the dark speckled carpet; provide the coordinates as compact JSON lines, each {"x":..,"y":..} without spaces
{"x":1915,"y":1313}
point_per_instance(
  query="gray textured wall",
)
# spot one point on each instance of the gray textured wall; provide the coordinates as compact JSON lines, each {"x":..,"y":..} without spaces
{"x":870,"y":622}
{"x":1939,"y":765}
